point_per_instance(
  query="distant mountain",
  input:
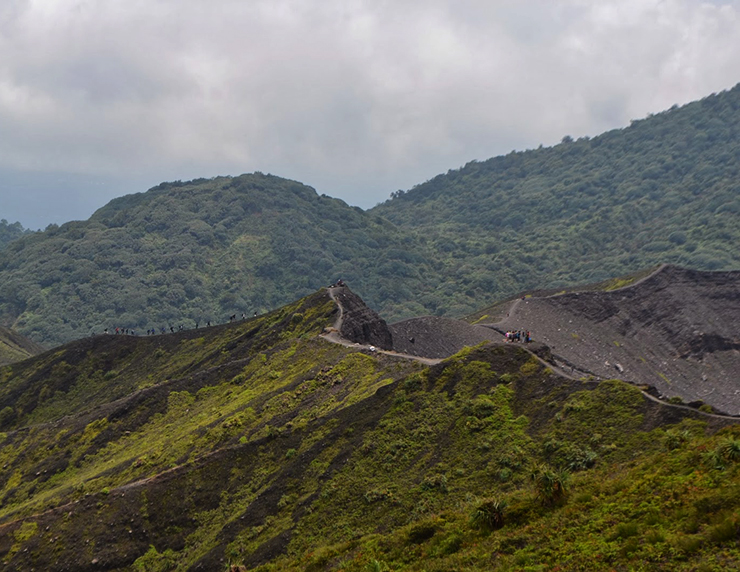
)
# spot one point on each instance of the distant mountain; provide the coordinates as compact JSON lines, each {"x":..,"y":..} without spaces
{"x":187,"y":253}
{"x":14,"y":347}
{"x":666,"y":189}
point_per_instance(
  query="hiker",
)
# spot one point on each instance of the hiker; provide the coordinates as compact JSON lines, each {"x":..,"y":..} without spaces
{"x":255,"y":314}
{"x":172,"y":329}
{"x":208,"y":323}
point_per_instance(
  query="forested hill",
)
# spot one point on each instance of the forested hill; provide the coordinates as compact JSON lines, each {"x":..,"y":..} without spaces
{"x":664,"y":189}
{"x":187,"y":253}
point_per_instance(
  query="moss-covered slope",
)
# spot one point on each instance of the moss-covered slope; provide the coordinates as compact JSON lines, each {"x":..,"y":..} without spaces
{"x":260,"y":444}
{"x":15,"y":347}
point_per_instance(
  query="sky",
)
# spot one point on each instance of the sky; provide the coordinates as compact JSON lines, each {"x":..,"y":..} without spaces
{"x":101,"y":98}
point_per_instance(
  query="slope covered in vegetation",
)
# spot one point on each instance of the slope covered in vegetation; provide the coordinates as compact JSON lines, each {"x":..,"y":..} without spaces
{"x":663,"y":190}
{"x":14,"y":347}
{"x":188,"y":253}
{"x":262,"y":445}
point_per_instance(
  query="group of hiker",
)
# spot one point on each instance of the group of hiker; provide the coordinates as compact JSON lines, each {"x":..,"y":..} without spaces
{"x":171,"y":329}
{"x":518,"y":336}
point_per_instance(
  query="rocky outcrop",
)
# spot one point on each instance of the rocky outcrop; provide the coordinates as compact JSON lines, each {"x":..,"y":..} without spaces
{"x":358,"y":323}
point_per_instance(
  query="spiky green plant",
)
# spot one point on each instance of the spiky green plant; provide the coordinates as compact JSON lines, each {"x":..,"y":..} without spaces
{"x":551,"y":486}
{"x":489,"y":514}
{"x":730,"y":449}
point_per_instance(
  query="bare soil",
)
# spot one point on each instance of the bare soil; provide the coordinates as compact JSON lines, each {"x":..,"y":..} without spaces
{"x":677,"y":330}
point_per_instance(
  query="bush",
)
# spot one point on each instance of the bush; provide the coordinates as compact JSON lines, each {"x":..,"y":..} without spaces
{"x":435,"y":483}
{"x":550,"y":486}
{"x":674,"y":439}
{"x":626,"y":530}
{"x":725,"y":531}
{"x":489,"y":514}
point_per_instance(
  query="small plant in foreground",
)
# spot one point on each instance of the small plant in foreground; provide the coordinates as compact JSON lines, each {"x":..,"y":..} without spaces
{"x":550,"y":486}
{"x":674,"y":438}
{"x":376,"y":566}
{"x":489,"y":514}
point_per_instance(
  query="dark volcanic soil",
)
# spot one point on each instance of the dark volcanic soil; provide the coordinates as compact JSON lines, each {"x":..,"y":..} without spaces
{"x":436,"y":337}
{"x":677,"y":330}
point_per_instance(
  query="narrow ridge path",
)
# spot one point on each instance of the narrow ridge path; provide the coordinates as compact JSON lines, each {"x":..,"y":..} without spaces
{"x":335,"y":337}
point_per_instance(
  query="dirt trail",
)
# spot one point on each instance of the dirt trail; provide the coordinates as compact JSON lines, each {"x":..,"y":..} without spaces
{"x":674,"y":329}
{"x":335,"y":336}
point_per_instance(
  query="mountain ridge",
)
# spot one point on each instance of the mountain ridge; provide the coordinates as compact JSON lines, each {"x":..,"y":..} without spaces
{"x":660,"y":191}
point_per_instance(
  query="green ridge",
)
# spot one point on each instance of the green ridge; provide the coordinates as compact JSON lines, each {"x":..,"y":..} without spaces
{"x":259,"y":444}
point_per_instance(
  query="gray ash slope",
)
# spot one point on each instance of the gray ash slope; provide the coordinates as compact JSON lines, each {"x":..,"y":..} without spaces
{"x":436,"y":337}
{"x":677,"y":330}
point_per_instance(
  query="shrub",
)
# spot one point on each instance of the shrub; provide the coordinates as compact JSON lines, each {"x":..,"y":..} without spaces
{"x":435,"y":483}
{"x":450,"y":545}
{"x":687,"y":544}
{"x":626,"y":530}
{"x":581,"y":459}
{"x":655,"y":536}
{"x":724,"y":531}
{"x":550,"y":486}
{"x":729,"y":449}
{"x":489,"y":514}
{"x":376,"y":566}
{"x":377,"y":495}
{"x":673,"y":438}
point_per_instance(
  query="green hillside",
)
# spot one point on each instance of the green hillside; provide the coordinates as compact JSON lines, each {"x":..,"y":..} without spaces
{"x":260,"y":445}
{"x":187,"y":253}
{"x":14,"y":347}
{"x":663,"y":190}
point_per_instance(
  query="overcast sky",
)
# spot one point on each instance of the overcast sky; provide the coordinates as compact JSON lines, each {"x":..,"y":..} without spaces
{"x":100,"y":98}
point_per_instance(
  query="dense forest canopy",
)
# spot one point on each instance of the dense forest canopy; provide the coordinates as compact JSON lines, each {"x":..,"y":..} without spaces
{"x":187,"y":253}
{"x":663,"y":190}
{"x":10,"y":231}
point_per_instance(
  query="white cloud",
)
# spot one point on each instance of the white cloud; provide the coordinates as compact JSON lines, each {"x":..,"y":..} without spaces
{"x":356,"y":98}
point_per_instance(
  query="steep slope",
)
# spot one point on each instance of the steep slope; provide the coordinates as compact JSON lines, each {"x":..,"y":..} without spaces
{"x":663,"y":190}
{"x":14,"y":347}
{"x":259,"y":443}
{"x":677,"y":330}
{"x":187,"y":253}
